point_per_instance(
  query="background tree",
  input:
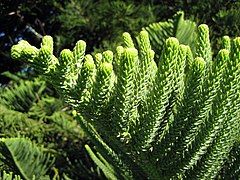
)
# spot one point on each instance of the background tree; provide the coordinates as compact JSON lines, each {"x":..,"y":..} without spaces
{"x":100,"y":23}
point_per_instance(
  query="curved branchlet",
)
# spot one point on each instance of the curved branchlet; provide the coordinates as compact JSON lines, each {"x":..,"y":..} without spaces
{"x":147,"y":66}
{"x":177,"y":90}
{"x":102,"y":91}
{"x":105,"y":150}
{"x":100,"y":101}
{"x":160,"y":94}
{"x":116,"y":62}
{"x":30,"y":53}
{"x":180,"y":75}
{"x":45,"y":57}
{"x":65,"y":79}
{"x":210,"y":91}
{"x":24,"y":51}
{"x":127,"y":40}
{"x":83,"y":89}
{"x":102,"y":88}
{"x":226,"y":43}
{"x":143,"y":41}
{"x":235,"y":53}
{"x":195,"y":129}
{"x":42,"y":62}
{"x":203,"y":45}
{"x":124,"y":100}
{"x":207,"y":131}
{"x":47,"y":41}
{"x":107,"y":56}
{"x":78,"y":54}
{"x":119,"y":54}
{"x":189,"y":62}
{"x":192,"y":92}
{"x":220,"y":135}
{"x":146,"y":71}
{"x":98,"y":59}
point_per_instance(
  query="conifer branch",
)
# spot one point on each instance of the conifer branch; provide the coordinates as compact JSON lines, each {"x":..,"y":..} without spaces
{"x":177,"y":118}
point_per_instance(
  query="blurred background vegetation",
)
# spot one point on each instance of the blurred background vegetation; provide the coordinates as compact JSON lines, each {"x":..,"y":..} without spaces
{"x":27,"y":102}
{"x":101,"y":22}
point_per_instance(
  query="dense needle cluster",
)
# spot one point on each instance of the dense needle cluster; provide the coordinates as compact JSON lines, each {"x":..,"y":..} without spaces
{"x":177,"y":118}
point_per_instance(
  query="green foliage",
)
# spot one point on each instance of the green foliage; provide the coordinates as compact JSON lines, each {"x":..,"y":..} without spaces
{"x":22,"y":95}
{"x":14,"y":123}
{"x":25,"y":158}
{"x":229,"y":18}
{"x":9,"y":176}
{"x":222,"y":16}
{"x":101,"y":23}
{"x":102,"y":164}
{"x":231,"y":168}
{"x":28,"y":109}
{"x":178,"y":119}
{"x":183,"y":30}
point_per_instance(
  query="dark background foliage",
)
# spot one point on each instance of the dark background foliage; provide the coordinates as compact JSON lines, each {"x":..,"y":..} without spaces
{"x":101,"y":22}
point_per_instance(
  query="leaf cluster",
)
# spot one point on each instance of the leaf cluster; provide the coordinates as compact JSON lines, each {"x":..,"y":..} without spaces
{"x":31,"y":118}
{"x":175,"y":119}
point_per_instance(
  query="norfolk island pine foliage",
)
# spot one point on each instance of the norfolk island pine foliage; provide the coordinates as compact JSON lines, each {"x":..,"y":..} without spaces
{"x":174,"y":119}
